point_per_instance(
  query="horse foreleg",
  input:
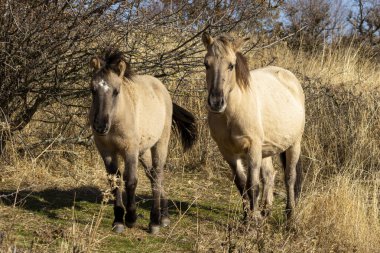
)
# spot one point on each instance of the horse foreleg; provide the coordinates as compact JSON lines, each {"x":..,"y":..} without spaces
{"x":240,"y":180}
{"x":159,"y":154}
{"x":159,"y":213}
{"x":114,"y":179}
{"x":130,"y":179}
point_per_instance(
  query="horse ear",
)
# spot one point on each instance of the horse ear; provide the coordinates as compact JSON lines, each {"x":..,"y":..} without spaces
{"x":121,"y":66}
{"x":239,"y":43}
{"x":207,"y":39}
{"x":95,"y":63}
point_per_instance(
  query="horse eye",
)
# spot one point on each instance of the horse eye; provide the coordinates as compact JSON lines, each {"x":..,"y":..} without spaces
{"x":230,"y":66}
{"x":115,"y":93}
{"x":206,"y":65}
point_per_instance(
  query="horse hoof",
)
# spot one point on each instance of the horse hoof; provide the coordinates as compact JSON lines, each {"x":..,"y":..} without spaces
{"x":289,"y":213}
{"x":130,"y":224}
{"x":154,"y":229}
{"x":253,"y":218}
{"x":118,"y":228}
{"x":165,"y":221}
{"x":265,"y":212}
{"x":130,"y":220}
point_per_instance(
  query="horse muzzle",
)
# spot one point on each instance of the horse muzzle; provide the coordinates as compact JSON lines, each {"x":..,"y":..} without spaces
{"x":101,"y":127}
{"x":216,"y":104}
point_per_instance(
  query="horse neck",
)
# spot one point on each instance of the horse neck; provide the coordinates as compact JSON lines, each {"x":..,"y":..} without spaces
{"x":126,"y":103}
{"x":234,"y":100}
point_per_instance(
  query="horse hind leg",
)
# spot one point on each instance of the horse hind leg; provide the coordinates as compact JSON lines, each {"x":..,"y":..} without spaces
{"x":114,"y":179}
{"x":165,"y":221}
{"x":268,"y":175}
{"x":146,"y":161}
{"x":159,"y":215}
{"x":293,"y":176}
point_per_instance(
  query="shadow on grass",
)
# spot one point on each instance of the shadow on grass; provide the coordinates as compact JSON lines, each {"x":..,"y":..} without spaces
{"x":194,"y":211}
{"x":50,"y":201}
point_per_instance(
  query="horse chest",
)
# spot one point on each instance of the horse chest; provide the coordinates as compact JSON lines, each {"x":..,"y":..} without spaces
{"x":112,"y":143}
{"x":229,"y":136}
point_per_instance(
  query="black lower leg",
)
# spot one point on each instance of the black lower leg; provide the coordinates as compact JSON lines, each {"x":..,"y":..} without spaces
{"x":155,"y":213}
{"x":115,"y":183}
{"x":155,"y":216}
{"x":164,"y":206}
{"x":289,"y":204}
{"x":240,"y":184}
{"x":130,"y":216}
{"x":118,"y":208}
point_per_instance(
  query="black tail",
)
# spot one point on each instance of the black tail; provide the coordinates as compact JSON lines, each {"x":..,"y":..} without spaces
{"x":299,"y":174}
{"x":186,"y":125}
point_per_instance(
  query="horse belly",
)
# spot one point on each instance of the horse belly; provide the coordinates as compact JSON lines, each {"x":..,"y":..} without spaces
{"x":271,"y":148}
{"x":148,"y":139}
{"x":283,"y":129}
{"x":152,"y":123}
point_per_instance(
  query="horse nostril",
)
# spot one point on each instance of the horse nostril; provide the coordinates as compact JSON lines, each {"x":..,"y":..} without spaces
{"x":220,"y":102}
{"x":100,"y":125}
{"x":209,"y":101}
{"x":96,"y":121}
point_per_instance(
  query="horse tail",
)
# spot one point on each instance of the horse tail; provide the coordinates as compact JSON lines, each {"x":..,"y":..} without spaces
{"x":185,"y":123}
{"x":299,"y":174}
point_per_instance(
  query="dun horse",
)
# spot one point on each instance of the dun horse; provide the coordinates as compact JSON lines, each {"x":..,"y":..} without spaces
{"x":131,"y":116}
{"x":254,"y":115}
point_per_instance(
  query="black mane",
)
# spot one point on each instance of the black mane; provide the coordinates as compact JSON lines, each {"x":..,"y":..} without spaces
{"x":242,"y":70}
{"x":111,"y":57}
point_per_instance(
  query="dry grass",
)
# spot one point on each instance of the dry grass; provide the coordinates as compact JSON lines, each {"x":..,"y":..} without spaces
{"x":59,"y":187}
{"x":342,"y":216}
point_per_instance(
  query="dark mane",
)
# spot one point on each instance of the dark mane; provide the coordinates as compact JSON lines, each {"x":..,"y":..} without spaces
{"x":242,"y":70}
{"x":224,"y":44}
{"x":110,"y":60}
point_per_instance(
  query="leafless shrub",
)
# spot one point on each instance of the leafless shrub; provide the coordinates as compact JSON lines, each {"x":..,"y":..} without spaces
{"x":309,"y":21}
{"x":364,"y":22}
{"x":45,"y":45}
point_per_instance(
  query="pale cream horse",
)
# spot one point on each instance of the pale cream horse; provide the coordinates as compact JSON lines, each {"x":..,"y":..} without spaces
{"x":131,"y":116}
{"x":254,"y":115}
